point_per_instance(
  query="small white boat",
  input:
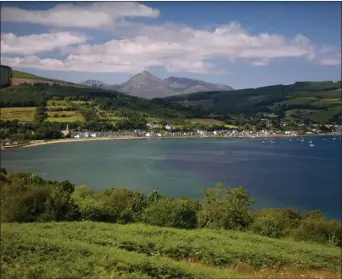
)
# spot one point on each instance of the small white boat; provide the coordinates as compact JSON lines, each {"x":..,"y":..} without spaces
{"x":311,"y":145}
{"x":290,"y":139}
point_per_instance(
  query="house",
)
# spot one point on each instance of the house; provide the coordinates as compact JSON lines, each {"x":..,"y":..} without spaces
{"x":93,"y":135}
{"x":77,"y":136}
{"x":168,"y":127}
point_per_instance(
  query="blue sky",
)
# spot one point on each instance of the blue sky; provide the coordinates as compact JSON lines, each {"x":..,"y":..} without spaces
{"x":241,"y":44}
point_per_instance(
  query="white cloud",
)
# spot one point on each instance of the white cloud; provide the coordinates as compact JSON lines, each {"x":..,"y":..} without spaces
{"x":94,"y":15}
{"x":176,"y":48}
{"x":331,"y":61}
{"x":31,"y":44}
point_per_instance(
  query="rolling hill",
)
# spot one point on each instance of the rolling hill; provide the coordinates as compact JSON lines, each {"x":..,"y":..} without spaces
{"x":316,"y":101}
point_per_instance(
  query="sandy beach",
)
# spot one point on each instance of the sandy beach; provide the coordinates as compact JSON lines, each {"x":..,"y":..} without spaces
{"x":42,"y":142}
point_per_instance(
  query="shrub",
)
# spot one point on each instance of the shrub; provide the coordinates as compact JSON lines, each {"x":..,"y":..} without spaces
{"x":321,"y":231}
{"x":178,"y":213}
{"x":228,"y":209}
{"x":267,"y":226}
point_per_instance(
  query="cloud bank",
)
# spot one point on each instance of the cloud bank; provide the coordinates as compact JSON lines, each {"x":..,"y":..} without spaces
{"x":138,"y":46}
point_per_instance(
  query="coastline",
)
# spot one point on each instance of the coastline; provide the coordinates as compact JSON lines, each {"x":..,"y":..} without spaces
{"x":70,"y":140}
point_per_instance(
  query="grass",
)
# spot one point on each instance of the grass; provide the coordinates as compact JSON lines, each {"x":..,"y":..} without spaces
{"x":102,"y":250}
{"x":78,"y":102}
{"x":22,"y":114}
{"x":298,"y":101}
{"x":60,"y":113}
{"x":73,"y":118}
{"x":207,"y":121}
{"x":324,"y":115}
{"x":19,"y":74}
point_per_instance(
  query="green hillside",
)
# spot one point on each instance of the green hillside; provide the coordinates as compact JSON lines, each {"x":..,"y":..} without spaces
{"x":316,"y":101}
{"x":100,"y":250}
{"x":19,"y":74}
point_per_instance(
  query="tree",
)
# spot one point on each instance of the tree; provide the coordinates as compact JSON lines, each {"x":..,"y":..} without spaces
{"x":229,"y":208}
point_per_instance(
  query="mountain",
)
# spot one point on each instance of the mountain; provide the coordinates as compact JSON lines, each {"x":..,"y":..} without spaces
{"x":146,"y":85}
{"x":193,"y":85}
{"x":149,"y":86}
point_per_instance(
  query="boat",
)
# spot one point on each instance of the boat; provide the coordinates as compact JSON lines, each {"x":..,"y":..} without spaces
{"x":311,"y":145}
{"x":310,"y":141}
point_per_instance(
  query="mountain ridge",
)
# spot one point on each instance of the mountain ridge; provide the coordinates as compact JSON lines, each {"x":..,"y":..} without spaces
{"x":149,"y":86}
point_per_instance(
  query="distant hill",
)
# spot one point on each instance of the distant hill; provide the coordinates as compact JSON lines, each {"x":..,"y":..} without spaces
{"x":149,"y":86}
{"x":19,"y":77}
{"x":317,"y":101}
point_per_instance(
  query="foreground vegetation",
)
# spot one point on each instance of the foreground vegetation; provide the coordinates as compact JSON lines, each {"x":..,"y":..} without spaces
{"x":102,"y":250}
{"x":53,"y":229}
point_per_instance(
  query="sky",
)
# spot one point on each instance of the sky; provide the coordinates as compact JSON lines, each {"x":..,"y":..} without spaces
{"x":240,"y":44}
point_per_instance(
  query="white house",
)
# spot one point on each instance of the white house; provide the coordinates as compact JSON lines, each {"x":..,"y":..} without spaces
{"x":93,"y":135}
{"x":77,"y":136}
{"x":168,"y":127}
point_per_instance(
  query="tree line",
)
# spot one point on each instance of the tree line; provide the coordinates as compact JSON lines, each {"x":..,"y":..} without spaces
{"x":29,"y":198}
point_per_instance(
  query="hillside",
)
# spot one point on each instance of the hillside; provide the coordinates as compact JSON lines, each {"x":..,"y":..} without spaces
{"x":315,"y":101}
{"x":19,"y":77}
{"x":100,"y":250}
{"x":149,"y":86}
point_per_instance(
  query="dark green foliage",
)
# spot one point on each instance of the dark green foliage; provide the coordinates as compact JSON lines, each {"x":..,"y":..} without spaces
{"x":177,"y":213}
{"x":267,"y":226}
{"x":319,"y":230}
{"x":229,"y":208}
{"x":29,"y":198}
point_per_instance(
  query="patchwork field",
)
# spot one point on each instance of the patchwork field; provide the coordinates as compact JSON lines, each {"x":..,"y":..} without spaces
{"x":22,"y":114}
{"x":207,"y":121}
{"x":71,"y":118}
{"x":103,"y":250}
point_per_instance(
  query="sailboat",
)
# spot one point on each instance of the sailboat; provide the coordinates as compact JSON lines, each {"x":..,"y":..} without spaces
{"x":311,"y":144}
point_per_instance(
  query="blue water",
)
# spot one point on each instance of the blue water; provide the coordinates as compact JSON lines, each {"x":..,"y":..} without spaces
{"x":284,"y":174}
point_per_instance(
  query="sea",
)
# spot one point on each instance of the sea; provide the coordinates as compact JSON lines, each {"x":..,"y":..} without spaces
{"x":278,"y":172}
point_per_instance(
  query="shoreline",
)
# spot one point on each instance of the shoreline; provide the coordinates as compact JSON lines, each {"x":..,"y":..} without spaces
{"x":70,"y":140}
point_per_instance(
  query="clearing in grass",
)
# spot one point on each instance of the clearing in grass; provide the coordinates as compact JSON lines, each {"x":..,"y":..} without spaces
{"x":22,"y":114}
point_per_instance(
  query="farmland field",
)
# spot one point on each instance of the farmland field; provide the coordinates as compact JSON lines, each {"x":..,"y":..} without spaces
{"x":60,"y":113}
{"x":22,"y":114}
{"x":73,"y":118}
{"x":103,"y":250}
{"x":207,"y":121}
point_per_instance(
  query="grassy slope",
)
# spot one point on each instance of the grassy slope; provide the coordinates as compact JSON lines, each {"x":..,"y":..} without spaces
{"x":19,"y":74}
{"x":98,"y":250}
{"x":22,"y":114}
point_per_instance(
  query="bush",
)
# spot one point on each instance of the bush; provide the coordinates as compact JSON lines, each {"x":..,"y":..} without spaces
{"x":321,"y":231}
{"x":228,"y":209}
{"x":267,"y":226}
{"x":177,"y":213}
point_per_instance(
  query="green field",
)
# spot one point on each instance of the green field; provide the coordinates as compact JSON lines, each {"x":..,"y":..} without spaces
{"x":18,"y":74}
{"x":103,"y":250}
{"x":73,"y":118}
{"x":22,"y":114}
{"x":60,"y":113}
{"x":207,"y":121}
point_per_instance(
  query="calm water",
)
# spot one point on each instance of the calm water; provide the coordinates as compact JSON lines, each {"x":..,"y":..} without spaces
{"x":284,"y":174}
